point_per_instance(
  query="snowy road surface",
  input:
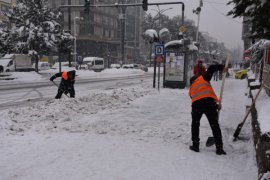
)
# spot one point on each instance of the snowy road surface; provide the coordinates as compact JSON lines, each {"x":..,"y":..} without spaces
{"x":17,"y":94}
{"x":127,"y":133}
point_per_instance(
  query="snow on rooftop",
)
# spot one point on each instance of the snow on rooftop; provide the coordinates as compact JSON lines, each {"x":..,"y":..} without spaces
{"x":174,"y":42}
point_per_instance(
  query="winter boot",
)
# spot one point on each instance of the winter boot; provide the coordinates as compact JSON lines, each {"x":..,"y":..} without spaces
{"x":195,"y":147}
{"x":220,"y":152}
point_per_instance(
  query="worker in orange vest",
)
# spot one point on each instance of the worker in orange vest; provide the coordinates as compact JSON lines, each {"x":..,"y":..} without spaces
{"x":205,"y":101}
{"x":67,"y":83}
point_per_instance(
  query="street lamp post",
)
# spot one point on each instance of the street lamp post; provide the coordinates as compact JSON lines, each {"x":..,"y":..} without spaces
{"x":198,"y":12}
{"x":75,"y":39}
{"x":159,"y":12}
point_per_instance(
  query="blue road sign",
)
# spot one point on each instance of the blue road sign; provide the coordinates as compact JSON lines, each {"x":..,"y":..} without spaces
{"x":159,"y":49}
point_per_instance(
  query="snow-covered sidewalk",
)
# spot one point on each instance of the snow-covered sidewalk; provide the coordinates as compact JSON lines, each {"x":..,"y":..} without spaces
{"x":133,"y":133}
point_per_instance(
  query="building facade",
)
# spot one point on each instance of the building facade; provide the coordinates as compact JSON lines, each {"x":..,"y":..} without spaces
{"x":5,"y":5}
{"x":99,"y":32}
{"x":246,"y":32}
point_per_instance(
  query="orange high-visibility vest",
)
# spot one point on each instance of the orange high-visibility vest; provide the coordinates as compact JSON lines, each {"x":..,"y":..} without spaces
{"x":201,"y":89}
{"x":65,"y":75}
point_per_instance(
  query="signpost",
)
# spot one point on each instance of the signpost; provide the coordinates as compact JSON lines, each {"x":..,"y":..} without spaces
{"x":159,"y":58}
{"x":182,"y":29}
{"x":159,"y":49}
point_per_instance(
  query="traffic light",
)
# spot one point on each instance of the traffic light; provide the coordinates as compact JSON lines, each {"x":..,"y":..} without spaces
{"x":87,"y":6}
{"x":145,"y":5}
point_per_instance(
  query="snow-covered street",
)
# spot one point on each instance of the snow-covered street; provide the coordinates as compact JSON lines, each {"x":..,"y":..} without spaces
{"x":126,"y":133}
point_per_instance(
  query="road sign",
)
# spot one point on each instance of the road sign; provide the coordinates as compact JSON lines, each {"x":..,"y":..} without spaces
{"x":182,"y":29}
{"x":159,"y":49}
{"x":159,"y":59}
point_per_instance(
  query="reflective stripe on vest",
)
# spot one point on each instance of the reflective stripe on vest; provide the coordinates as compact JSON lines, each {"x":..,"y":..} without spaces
{"x":201,"y":89}
{"x":65,"y":75}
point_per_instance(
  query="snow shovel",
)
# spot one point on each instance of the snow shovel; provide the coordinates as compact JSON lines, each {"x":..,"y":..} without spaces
{"x":211,"y":140}
{"x":58,"y":86}
{"x":240,"y":125}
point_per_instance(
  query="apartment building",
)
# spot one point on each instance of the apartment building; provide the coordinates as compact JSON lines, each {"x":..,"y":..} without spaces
{"x":246,"y":32}
{"x":99,"y":32}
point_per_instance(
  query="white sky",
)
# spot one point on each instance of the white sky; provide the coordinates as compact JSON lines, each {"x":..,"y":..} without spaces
{"x":213,"y":19}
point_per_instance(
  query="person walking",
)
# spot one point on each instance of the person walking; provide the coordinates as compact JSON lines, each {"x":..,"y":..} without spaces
{"x":205,"y":101}
{"x":67,"y":83}
{"x":199,"y":69}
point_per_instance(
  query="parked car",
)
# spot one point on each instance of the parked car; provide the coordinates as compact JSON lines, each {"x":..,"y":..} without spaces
{"x":128,"y":66}
{"x":42,"y":65}
{"x":117,"y":66}
{"x":242,"y":74}
{"x":64,"y":66}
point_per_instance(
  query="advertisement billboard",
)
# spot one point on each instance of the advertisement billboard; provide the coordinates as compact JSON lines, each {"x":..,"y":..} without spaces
{"x":174,"y":65}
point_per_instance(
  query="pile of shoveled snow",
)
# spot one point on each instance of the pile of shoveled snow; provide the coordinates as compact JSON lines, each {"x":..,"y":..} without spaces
{"x":73,"y":115}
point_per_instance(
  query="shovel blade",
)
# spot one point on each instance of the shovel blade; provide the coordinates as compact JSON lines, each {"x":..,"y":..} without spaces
{"x":237,"y":131}
{"x":210,"y":141}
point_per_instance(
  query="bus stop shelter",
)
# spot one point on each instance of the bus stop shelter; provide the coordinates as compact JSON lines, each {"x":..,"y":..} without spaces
{"x":179,"y":59}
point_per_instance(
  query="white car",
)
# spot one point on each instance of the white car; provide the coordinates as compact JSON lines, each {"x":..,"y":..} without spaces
{"x":117,"y":66}
{"x":64,"y":66}
{"x":42,"y":65}
{"x":127,"y":66}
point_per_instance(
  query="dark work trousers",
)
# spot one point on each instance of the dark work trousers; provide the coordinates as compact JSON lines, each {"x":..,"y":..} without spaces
{"x":216,"y":76}
{"x":208,"y":107}
{"x":65,"y":89}
{"x":220,"y":73}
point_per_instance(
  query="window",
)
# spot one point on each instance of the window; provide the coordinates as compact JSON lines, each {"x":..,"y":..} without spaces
{"x":10,"y":63}
{"x":4,"y":8}
{"x":98,"y":62}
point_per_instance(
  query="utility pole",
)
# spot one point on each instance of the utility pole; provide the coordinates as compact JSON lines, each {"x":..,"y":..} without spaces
{"x":75,"y":39}
{"x":122,"y":18}
{"x":198,"y":12}
{"x":69,"y":29}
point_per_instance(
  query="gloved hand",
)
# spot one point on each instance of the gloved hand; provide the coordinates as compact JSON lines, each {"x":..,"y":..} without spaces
{"x":219,"y":106}
{"x":52,"y":78}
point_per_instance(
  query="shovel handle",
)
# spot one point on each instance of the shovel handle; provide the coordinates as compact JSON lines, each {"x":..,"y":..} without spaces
{"x":239,"y":127}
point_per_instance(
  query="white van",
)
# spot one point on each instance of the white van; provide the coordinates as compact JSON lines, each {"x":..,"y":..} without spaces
{"x":16,"y":62}
{"x":93,"y":63}
{"x":7,"y":65}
